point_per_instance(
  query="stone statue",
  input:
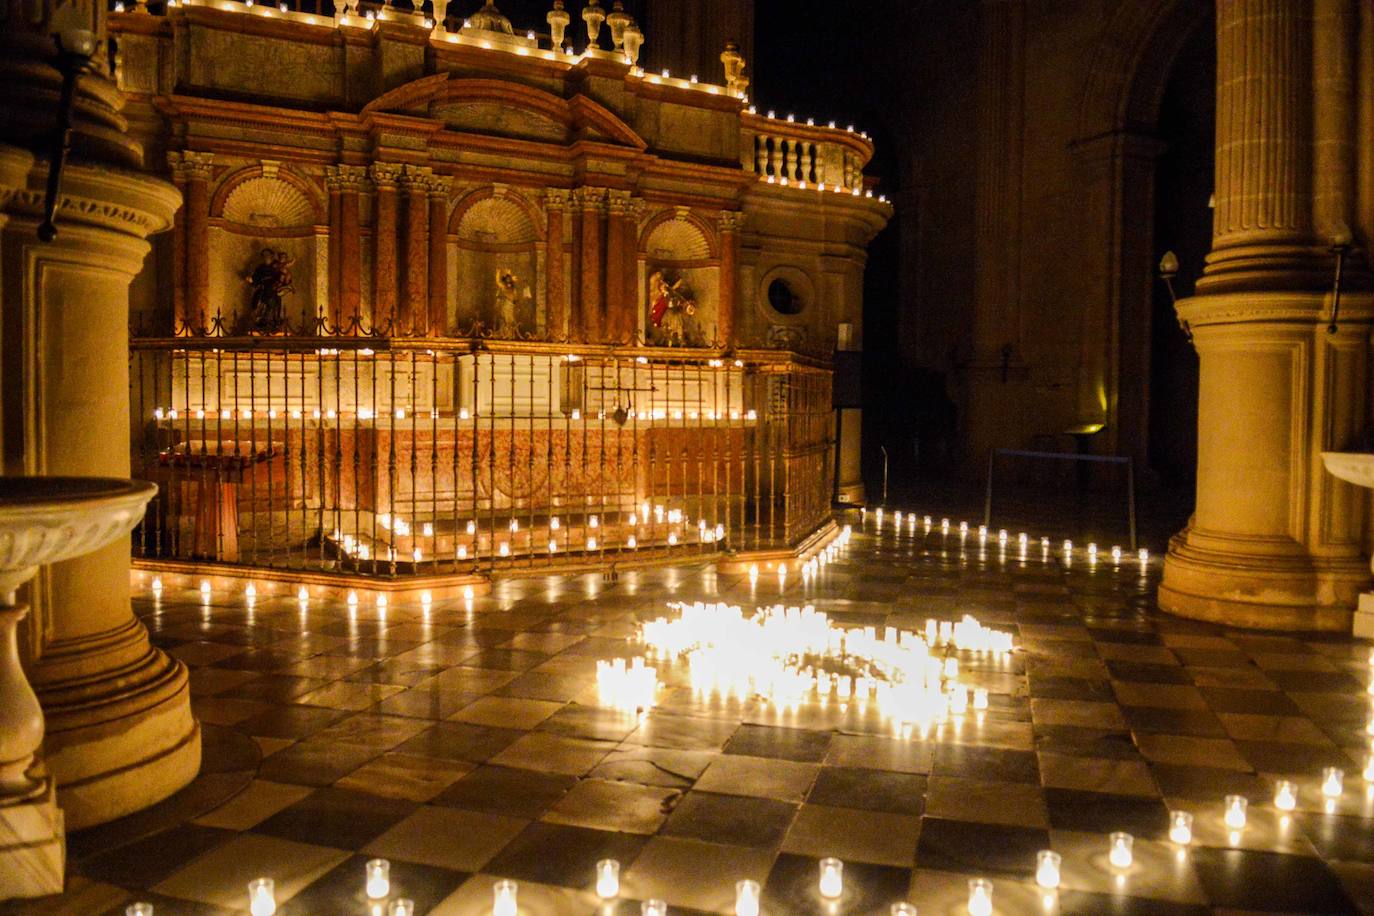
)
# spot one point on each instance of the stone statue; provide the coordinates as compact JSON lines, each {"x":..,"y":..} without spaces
{"x":671,"y":306}
{"x":557,"y":19}
{"x":735,"y":80}
{"x":509,"y":297}
{"x":269,"y":281}
{"x":593,"y":15}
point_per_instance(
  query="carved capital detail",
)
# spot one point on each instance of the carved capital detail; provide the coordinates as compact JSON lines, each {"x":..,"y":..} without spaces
{"x":345,"y":177}
{"x":188,"y":165}
{"x":556,"y":198}
{"x":440,"y":185}
{"x":730,"y":220}
{"x":386,"y":175}
{"x":619,"y":203}
{"x":591,"y":200}
{"x":417,"y":178}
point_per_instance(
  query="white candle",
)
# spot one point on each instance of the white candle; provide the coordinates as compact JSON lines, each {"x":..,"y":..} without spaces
{"x":607,"y":879}
{"x":1235,"y":811}
{"x":504,"y":549}
{"x":139,"y":909}
{"x":503,"y":898}
{"x":262,"y":898}
{"x":903,"y":909}
{"x":980,"y":897}
{"x":832,"y":878}
{"x":747,"y":895}
{"x":980,"y":698}
{"x":591,"y":543}
{"x":1181,"y":827}
{"x":378,"y":878}
{"x":1119,"y":850}
{"x":1285,"y":795}
{"x":1047,"y":868}
{"x":1333,"y":782}
{"x":653,"y":908}
{"x":403,"y":907}
{"x":472,"y":527}
{"x":1369,"y":769}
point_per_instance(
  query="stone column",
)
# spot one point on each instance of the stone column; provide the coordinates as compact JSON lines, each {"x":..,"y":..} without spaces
{"x":414,"y":310}
{"x":555,"y":277}
{"x":1275,"y":541}
{"x":619,"y":240}
{"x":385,"y":176}
{"x":729,"y":222}
{"x":192,"y":171}
{"x":120,"y":735}
{"x":351,"y":180}
{"x":439,"y":186}
{"x":335,"y":237}
{"x":592,"y":202}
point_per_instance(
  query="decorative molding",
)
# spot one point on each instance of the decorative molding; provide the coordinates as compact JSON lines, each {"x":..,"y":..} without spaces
{"x":730,"y":220}
{"x":349,"y":178}
{"x":385,"y":175}
{"x":189,"y":165}
{"x":269,"y":202}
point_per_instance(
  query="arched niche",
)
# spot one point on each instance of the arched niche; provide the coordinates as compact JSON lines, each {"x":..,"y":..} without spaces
{"x":491,"y":233}
{"x":262,"y":207}
{"x":680,"y":248}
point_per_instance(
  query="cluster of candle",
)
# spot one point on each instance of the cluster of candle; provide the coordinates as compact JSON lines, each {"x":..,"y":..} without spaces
{"x":630,"y":687}
{"x":400,"y":413}
{"x":811,"y":564}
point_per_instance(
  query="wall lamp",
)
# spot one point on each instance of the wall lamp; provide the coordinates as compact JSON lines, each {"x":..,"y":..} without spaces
{"x":75,"y":48}
{"x":1168,"y":269}
{"x":1341,"y":242}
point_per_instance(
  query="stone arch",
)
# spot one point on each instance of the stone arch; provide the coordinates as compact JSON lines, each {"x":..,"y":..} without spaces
{"x":267,"y":197}
{"x":679,"y":245}
{"x":679,"y":236}
{"x":496,"y":218}
{"x":495,"y":230}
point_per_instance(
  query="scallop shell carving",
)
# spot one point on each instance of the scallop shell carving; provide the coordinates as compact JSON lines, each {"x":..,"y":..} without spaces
{"x":496,"y":220}
{"x":678,"y":240}
{"x":268,"y":202}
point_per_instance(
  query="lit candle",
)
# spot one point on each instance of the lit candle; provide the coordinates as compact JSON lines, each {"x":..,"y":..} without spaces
{"x":832,"y":878}
{"x":1144,"y":555}
{"x":980,"y":897}
{"x":472,"y":527}
{"x":903,"y":909}
{"x":980,"y":698}
{"x":553,"y":523}
{"x":378,"y":878}
{"x":250,"y":592}
{"x":157,"y":584}
{"x":1369,"y":768}
{"x":591,"y":543}
{"x":462,"y":552}
{"x":1333,"y":782}
{"x":653,"y":908}
{"x":205,"y":589}
{"x":1116,"y":554}
{"x":553,"y":547}
{"x":139,"y":909}
{"x":747,"y":895}
{"x":1119,"y":850}
{"x":504,"y":549}
{"x":607,"y":879}
{"x":1047,"y":868}
{"x":403,"y":907}
{"x":1285,"y":795}
{"x":1068,"y":546}
{"x":1181,"y":827}
{"x":262,"y":897}
{"x":593,"y":522}
{"x":632,"y":542}
{"x":352,"y":598}
{"x":303,"y":594}
{"x":503,"y":898}
{"x":1235,"y":811}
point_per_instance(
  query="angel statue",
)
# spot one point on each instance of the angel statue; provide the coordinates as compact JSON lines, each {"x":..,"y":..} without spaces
{"x":509,"y":297}
{"x":269,"y":281}
{"x":671,"y":305}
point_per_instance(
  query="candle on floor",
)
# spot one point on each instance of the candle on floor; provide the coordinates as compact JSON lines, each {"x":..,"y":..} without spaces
{"x":1235,"y":811}
{"x":653,"y":908}
{"x":1285,"y":795}
{"x":903,"y":909}
{"x":403,"y":907}
{"x":262,"y":897}
{"x":1119,"y":850}
{"x":747,"y":894}
{"x":1047,"y":868}
{"x":1181,"y":827}
{"x":503,"y":898}
{"x":1369,"y":768}
{"x":607,"y":879}
{"x":139,"y":909}
{"x":378,"y":878}
{"x":1333,"y":782}
{"x":591,"y":543}
{"x":832,"y":878}
{"x":504,"y":549}
{"x":205,"y":588}
{"x":979,"y":897}
{"x":980,"y":698}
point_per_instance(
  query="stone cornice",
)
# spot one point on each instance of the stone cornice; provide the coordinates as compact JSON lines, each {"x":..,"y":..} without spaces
{"x":189,"y":165}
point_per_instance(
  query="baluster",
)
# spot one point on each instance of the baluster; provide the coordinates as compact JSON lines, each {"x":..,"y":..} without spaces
{"x":774,"y":156}
{"x":790,"y":150}
{"x":760,"y":154}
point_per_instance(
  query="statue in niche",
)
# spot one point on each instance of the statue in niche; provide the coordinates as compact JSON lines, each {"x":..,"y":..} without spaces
{"x":269,"y":281}
{"x":511,"y":297}
{"x":671,"y":311}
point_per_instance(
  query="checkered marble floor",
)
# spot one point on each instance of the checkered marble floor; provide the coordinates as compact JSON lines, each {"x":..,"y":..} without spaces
{"x":464,"y":745}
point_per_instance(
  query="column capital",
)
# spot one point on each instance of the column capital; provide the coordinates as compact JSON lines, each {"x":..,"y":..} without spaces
{"x":417,"y":177}
{"x":730,"y":220}
{"x":556,"y":198}
{"x":189,"y":165}
{"x":345,"y":177}
{"x":591,"y":200}
{"x":385,"y":175}
{"x":440,"y":185}
{"x":619,"y":203}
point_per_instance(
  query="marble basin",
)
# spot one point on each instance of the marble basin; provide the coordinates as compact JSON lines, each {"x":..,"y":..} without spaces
{"x":1352,"y":467}
{"x":47,"y":519}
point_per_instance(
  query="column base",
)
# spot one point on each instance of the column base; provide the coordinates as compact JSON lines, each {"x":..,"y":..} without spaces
{"x":32,"y":851}
{"x":1255,"y":590}
{"x":1364,"y":617}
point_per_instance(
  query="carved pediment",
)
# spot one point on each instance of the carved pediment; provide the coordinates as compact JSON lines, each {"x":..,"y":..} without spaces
{"x":480,"y":116}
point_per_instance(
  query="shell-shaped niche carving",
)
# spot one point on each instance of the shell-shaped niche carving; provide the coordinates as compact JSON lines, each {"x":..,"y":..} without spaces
{"x":678,"y":240}
{"x":268,"y":203}
{"x":496,"y":220}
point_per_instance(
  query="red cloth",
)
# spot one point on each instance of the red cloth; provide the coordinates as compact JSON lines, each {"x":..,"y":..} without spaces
{"x":657,"y":312}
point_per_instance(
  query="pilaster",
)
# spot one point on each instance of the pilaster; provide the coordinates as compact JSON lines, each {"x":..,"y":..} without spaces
{"x":192,"y":171}
{"x":555,"y":274}
{"x":438,"y":188}
{"x":592,"y":204}
{"x":729,"y":223}
{"x":385,"y":177}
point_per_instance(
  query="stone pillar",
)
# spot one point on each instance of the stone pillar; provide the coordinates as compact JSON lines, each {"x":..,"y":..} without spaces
{"x":619,"y":286}
{"x":592,"y":202}
{"x":439,"y":186}
{"x":1274,"y":542}
{"x":385,"y":176}
{"x":120,"y":735}
{"x":414,"y":310}
{"x":729,"y":222}
{"x":335,"y":239}
{"x":351,"y":180}
{"x":555,"y":277}
{"x":192,"y":171}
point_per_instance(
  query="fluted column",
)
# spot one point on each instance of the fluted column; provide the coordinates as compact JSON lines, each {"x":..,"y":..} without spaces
{"x":618,"y":283}
{"x":439,"y":186}
{"x":729,"y":223}
{"x":592,"y":202}
{"x":385,"y":176}
{"x":351,"y":179}
{"x":1275,"y":541}
{"x":555,"y":277}
{"x":414,"y":311}
{"x":192,"y":171}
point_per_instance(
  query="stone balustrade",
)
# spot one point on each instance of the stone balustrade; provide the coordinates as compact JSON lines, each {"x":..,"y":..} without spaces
{"x":786,"y":151}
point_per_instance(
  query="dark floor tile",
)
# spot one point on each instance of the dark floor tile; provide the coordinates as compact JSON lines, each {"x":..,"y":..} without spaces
{"x":260,"y":660}
{"x":316,"y":763}
{"x":1081,"y":903}
{"x":145,"y":862}
{"x":988,"y":763}
{"x":343,"y":888}
{"x":871,"y":790}
{"x":594,"y":722}
{"x":171,"y":906}
{"x":460,"y":741}
{"x":1266,"y":882}
{"x":1198,"y":723}
{"x":1075,"y":741}
{"x":337,"y":817}
{"x":292,"y":721}
{"x":793,"y":886}
{"x":799,"y":744}
{"x":1338,"y":838}
{"x":1315,"y":681}
{"x":561,"y":855}
{"x":1071,"y":809}
{"x":1071,"y":688}
{"x":1148,"y":674}
{"x":733,"y":820}
{"x":437,"y":703}
{"x":1294,"y":759}
{"x":974,"y":849}
{"x":1255,"y":702}
{"x":1208,"y":784}
{"x":501,"y":790}
{"x":1135,"y":637}
{"x":274,"y":688}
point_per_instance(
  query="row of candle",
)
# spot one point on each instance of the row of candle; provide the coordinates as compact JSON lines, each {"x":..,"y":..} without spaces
{"x":400,"y":413}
